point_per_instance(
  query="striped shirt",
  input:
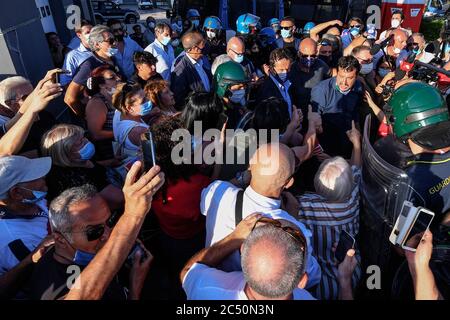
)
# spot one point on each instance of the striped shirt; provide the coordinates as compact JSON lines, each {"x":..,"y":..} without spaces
{"x":326,"y":220}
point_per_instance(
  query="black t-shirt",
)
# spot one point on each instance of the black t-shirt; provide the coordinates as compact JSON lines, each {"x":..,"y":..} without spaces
{"x":135,"y":78}
{"x":50,"y":280}
{"x":60,"y":179}
{"x":84,"y":70}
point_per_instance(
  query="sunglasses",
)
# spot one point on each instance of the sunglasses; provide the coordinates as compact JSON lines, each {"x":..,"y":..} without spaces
{"x":308,"y":55}
{"x":95,"y":232}
{"x":325,"y":43}
{"x":356,"y":26}
{"x":111,"y":41}
{"x":295,"y":234}
{"x":286,"y":28}
{"x":365,"y":61}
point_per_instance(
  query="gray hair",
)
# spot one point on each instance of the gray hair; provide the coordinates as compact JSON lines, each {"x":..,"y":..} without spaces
{"x":334,"y":179}
{"x":218,"y":61}
{"x":96,"y":36}
{"x":7,"y":88}
{"x":284,"y":281}
{"x":59,"y":215}
{"x":160,"y":27}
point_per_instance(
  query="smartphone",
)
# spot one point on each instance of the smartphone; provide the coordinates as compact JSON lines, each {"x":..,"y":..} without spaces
{"x":148,"y":150}
{"x":346,"y":242}
{"x":57,"y":76}
{"x":420,"y":225}
{"x":223,"y":118}
{"x":397,"y":234}
{"x":136,"y":247}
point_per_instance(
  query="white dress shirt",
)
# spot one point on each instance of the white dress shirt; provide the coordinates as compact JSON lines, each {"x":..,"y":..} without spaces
{"x":165,"y":59}
{"x":218,"y":203}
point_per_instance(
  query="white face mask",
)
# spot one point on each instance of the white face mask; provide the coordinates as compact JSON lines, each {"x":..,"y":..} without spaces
{"x":210,"y":34}
{"x":86,"y":37}
{"x":395,"y":23}
{"x":111,"y":91}
{"x":366,"y":68}
{"x":397,"y":50}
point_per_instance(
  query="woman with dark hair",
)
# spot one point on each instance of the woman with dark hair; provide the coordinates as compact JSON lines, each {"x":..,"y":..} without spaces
{"x":100,"y":111}
{"x":176,"y":207}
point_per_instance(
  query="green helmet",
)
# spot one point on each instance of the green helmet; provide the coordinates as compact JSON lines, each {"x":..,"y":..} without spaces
{"x":415,"y":106}
{"x":227,"y":75}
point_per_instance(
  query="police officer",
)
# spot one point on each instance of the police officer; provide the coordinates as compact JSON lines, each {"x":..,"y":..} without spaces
{"x":421,"y":120}
{"x":215,"y":37}
{"x":230,"y":84}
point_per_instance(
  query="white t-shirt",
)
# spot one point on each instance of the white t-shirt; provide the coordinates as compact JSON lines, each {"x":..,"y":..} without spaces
{"x":30,"y":231}
{"x":205,"y":283}
{"x":217,"y":204}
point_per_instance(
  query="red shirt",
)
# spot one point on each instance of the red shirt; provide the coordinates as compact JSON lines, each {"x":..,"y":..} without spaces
{"x":180,"y":216}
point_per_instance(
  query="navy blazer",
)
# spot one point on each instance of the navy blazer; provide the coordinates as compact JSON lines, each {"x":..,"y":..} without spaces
{"x":184,"y":79}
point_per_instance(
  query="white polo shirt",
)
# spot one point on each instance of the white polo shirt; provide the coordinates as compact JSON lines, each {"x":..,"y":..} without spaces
{"x":205,"y":283}
{"x":218,"y":203}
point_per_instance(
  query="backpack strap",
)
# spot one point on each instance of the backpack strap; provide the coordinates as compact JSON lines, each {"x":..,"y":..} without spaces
{"x":238,"y":207}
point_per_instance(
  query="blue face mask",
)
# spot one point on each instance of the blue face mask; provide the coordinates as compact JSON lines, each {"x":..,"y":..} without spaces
{"x":165,"y":41}
{"x":286,"y":33}
{"x":83,"y":258}
{"x":146,"y":108}
{"x":87,"y":152}
{"x":112,"y":52}
{"x":283,"y":76}
{"x":38,"y":196}
{"x":239,"y":58}
{"x":354,"y":31}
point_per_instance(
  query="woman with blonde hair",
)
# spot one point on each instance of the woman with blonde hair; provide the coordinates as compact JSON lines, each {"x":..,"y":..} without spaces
{"x":72,"y":164}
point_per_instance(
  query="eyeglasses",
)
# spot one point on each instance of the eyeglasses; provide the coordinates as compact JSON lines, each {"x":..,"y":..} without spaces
{"x":111,"y":41}
{"x":295,"y":234}
{"x":95,"y":232}
{"x":239,"y":54}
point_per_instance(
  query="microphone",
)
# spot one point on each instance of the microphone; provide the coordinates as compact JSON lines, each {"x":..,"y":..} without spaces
{"x":378,"y":46}
{"x":405,"y":66}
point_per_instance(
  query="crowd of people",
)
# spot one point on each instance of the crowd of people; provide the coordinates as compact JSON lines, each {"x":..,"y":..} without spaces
{"x":83,"y":196}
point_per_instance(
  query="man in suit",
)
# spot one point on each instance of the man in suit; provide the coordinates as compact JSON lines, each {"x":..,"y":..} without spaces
{"x":190,"y":74}
{"x":277,"y":83}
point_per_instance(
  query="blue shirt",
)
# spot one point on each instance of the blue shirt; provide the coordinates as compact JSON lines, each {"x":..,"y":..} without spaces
{"x":125,"y":61}
{"x":346,"y":38}
{"x":73,"y":61}
{"x":328,"y":100}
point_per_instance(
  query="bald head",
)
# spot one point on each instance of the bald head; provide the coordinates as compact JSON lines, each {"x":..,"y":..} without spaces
{"x":308,"y":47}
{"x":400,"y":38}
{"x":236,"y":44}
{"x":271,"y":167}
{"x":272,"y":261}
{"x":191,"y":39}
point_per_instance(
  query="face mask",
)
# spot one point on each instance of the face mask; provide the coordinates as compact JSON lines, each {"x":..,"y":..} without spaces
{"x":87,"y":152}
{"x":38,"y":196}
{"x":354,"y":31}
{"x":343,"y":92}
{"x":238,"y":96}
{"x":175,"y":43}
{"x":286,"y":33}
{"x":111,"y":91}
{"x":196,"y":23}
{"x":366,"y":68}
{"x":112,"y":52}
{"x":86,"y":37}
{"x":165,"y":40}
{"x":119,"y":37}
{"x":397,"y":50}
{"x":395,"y":23}
{"x":151,"y":25}
{"x":146,"y":108}
{"x":211,"y":34}
{"x":383,"y":72}
{"x":307,"y":62}
{"x":83,"y":258}
{"x":416,"y":50}
{"x":282,"y":76}
{"x":239,"y":58}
